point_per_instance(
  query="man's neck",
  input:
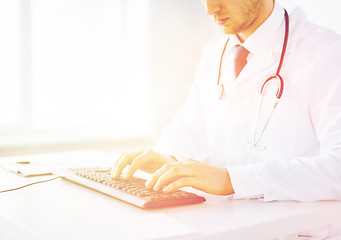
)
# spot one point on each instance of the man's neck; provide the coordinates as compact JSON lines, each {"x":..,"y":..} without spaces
{"x":264,"y":14}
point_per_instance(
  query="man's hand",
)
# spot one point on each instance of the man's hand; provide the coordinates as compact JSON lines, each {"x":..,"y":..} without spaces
{"x":148,"y":161}
{"x":190,"y":173}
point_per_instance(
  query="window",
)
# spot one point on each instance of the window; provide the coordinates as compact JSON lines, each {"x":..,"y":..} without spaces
{"x":75,"y":69}
{"x":10,"y":62}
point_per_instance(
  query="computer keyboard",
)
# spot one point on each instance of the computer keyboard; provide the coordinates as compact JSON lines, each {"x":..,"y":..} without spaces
{"x":132,"y":190}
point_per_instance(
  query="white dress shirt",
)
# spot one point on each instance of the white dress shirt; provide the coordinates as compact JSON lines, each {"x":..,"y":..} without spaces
{"x":299,"y":155}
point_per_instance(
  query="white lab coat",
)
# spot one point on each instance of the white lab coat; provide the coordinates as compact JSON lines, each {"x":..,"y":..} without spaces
{"x":299,"y":154}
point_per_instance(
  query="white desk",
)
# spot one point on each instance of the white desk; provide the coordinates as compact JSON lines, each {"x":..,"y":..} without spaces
{"x":62,"y":210}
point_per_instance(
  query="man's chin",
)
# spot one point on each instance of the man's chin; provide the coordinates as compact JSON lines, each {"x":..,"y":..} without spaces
{"x":227,"y":30}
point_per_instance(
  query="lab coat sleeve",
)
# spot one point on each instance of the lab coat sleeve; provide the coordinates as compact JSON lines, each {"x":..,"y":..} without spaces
{"x":305,"y":178}
{"x":185,"y":136}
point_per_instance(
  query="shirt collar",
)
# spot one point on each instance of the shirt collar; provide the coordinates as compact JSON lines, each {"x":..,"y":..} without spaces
{"x":261,"y":41}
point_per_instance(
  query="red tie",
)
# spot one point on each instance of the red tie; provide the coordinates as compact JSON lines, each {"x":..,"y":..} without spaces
{"x":240,"y":59}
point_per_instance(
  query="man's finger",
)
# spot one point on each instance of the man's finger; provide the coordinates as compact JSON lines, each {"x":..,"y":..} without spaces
{"x":172,"y":175}
{"x":123,"y":162}
{"x":181,"y":182}
{"x":136,"y":163}
{"x":115,"y":164}
{"x":151,"y":182}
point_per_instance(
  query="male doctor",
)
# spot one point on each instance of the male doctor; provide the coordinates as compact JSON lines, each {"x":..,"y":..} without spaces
{"x":231,"y":139}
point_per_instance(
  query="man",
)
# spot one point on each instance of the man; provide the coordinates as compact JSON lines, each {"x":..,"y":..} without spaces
{"x":229,"y":139}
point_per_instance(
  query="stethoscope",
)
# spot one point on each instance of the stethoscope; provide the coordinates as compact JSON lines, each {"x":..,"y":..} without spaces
{"x":277,"y":77}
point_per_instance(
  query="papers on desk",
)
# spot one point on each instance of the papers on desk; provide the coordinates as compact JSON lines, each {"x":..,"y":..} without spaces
{"x":46,"y":163}
{"x":27,"y":170}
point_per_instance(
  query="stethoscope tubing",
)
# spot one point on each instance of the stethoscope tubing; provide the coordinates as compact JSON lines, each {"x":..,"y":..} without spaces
{"x":276,"y":76}
{"x":279,"y":90}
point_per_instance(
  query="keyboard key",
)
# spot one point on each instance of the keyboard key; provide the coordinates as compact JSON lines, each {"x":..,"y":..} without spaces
{"x":135,"y":188}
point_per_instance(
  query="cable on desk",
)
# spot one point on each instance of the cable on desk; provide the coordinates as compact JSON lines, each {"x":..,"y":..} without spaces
{"x":13,"y":189}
